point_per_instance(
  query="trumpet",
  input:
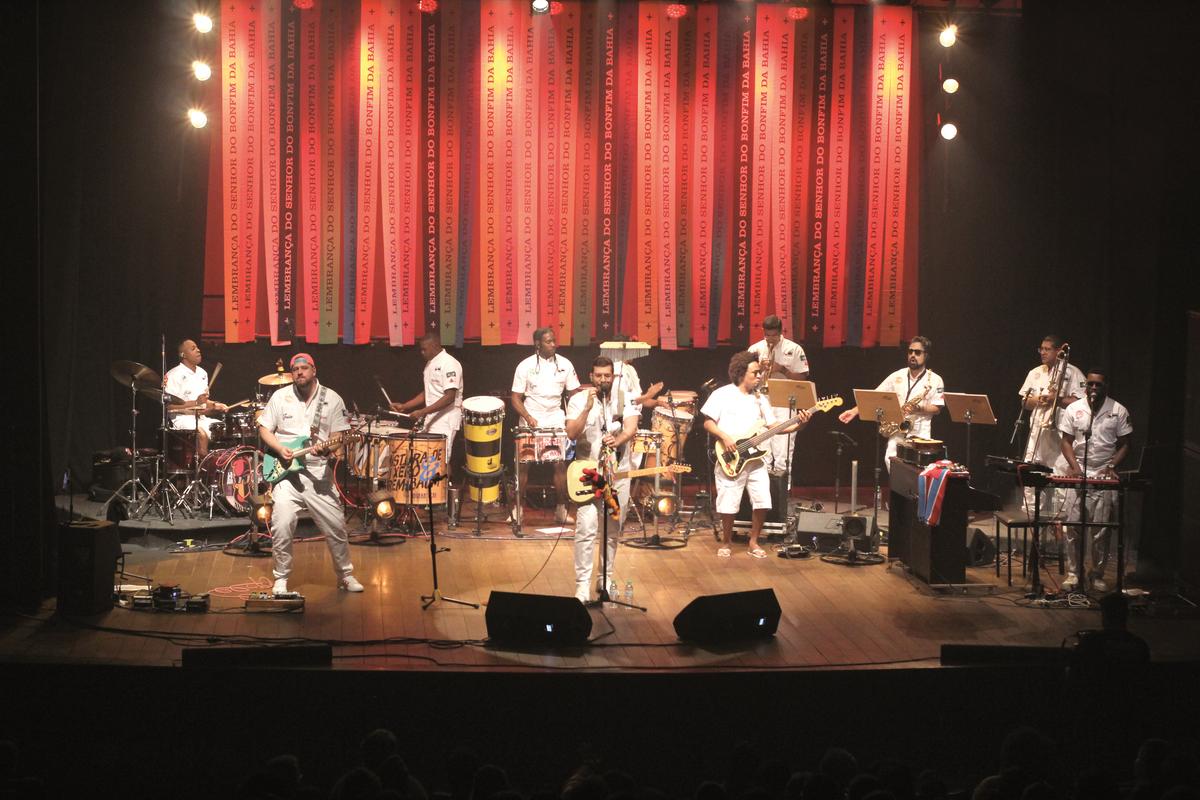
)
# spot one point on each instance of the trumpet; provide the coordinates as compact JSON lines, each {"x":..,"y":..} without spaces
{"x":765,"y":374}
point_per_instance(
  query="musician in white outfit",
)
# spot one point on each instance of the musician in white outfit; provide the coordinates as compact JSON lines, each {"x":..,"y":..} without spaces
{"x":1045,"y":403}
{"x":600,"y":419}
{"x":306,"y":408}
{"x":188,"y":382}
{"x":1095,"y":440}
{"x":732,"y":412}
{"x":780,"y":358}
{"x":920,"y":391}
{"x":440,"y":400}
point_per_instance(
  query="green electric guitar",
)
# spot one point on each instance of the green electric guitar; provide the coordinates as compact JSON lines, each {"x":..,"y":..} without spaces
{"x":276,"y":468}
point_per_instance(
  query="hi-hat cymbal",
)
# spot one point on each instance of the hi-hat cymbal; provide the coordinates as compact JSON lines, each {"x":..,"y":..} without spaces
{"x":155,"y":393}
{"x":276,"y":379}
{"x":131,"y":373}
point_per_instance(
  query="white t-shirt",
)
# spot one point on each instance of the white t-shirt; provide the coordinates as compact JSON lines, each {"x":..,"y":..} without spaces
{"x":442,"y":373}
{"x":1112,"y":422}
{"x":929,"y":384}
{"x":602,"y":418}
{"x":288,"y":416}
{"x":787,"y":354}
{"x":186,"y":384}
{"x":1037,"y":382}
{"x":543,"y":381}
{"x":736,"y":412}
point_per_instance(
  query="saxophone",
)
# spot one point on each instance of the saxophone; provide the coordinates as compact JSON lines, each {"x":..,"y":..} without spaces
{"x":889,"y":429}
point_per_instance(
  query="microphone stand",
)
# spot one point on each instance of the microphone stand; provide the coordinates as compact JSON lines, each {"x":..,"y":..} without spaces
{"x":429,"y":599}
{"x":841,"y":439}
{"x":1081,"y":550}
{"x":1020,"y":423}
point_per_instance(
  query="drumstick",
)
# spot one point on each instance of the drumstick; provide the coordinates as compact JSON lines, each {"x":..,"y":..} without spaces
{"x":385,"y":394}
{"x":238,"y":403}
{"x":213,"y":379}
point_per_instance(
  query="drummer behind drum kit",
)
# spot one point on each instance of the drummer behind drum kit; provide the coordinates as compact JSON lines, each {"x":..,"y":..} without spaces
{"x":223,"y":480}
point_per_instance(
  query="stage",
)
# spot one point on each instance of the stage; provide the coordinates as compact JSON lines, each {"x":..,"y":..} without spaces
{"x":834,"y":617}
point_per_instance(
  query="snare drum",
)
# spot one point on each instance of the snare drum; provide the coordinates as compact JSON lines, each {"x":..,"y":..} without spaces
{"x":666,"y":422}
{"x":242,"y":423}
{"x":232,"y":473}
{"x":645,"y":441}
{"x":541,"y":445}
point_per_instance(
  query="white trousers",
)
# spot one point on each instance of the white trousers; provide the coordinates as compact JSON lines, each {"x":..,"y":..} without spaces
{"x":316,"y":493}
{"x":780,"y":447}
{"x":587,"y":527}
{"x":1100,"y":506}
{"x":1048,"y":453}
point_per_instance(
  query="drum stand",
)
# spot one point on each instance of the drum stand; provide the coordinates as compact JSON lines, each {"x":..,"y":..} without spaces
{"x":371,"y":535}
{"x":657,"y":541}
{"x":429,"y":599}
{"x":197,"y":494}
{"x":132,"y":500}
{"x":249,"y":544}
{"x":160,"y":494}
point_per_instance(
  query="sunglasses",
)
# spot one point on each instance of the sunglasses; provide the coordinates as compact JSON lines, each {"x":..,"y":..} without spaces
{"x":917,"y":352}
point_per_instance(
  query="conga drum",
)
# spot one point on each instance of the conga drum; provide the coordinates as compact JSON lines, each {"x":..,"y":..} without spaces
{"x":483,"y":416}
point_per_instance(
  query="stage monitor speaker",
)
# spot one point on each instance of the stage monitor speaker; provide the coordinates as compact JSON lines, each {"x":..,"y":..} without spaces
{"x":981,"y":550}
{"x":732,"y":617}
{"x":88,"y":552}
{"x":536,"y":619}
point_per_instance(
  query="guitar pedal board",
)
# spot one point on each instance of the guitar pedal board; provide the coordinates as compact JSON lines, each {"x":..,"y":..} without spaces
{"x":272,"y":603}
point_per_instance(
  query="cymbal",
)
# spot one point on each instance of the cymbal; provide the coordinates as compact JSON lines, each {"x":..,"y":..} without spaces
{"x":131,"y":373}
{"x":275,"y":379}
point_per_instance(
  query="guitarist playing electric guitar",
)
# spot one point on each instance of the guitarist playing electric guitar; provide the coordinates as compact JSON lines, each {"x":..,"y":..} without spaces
{"x":295,"y":416}
{"x":734,"y":407}
{"x":596,"y":423}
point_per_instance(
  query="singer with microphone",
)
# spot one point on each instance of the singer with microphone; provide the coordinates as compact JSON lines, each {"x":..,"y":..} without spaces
{"x":600,"y":419}
{"x":1095,"y":440}
{"x":440,"y":401}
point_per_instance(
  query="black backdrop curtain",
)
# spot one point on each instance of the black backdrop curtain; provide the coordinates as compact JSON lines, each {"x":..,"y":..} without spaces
{"x":1061,"y":206}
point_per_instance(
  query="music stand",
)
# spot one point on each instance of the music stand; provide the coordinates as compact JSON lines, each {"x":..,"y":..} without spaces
{"x":971,"y":409}
{"x":884,"y":406}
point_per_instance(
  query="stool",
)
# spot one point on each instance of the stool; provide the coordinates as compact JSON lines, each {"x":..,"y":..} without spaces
{"x":1021,"y":520}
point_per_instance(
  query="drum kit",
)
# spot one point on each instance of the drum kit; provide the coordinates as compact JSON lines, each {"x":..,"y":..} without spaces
{"x":188,"y":477}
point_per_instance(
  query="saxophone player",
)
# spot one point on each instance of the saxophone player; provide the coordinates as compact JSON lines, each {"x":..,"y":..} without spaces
{"x":919,"y":390}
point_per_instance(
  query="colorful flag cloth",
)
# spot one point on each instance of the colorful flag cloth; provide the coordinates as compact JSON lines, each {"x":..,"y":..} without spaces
{"x":931,"y":489}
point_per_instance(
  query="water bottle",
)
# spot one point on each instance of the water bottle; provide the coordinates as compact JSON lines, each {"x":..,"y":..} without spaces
{"x":629,"y":592}
{"x":612,"y":591}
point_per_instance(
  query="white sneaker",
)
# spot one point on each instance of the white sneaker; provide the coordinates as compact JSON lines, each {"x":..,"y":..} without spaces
{"x":1099,"y":585}
{"x":581,"y":593}
{"x":1071,"y":583}
{"x":350,"y":584}
{"x":280,"y":586}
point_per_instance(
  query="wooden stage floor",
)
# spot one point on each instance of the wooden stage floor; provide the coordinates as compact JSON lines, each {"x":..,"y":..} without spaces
{"x":834,"y":616}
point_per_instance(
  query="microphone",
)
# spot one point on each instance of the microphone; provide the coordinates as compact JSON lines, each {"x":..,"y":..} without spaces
{"x":1092,"y":399}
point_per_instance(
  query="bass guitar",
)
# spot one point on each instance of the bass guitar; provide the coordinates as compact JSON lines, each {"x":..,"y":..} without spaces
{"x":276,"y":468}
{"x":746,"y":450}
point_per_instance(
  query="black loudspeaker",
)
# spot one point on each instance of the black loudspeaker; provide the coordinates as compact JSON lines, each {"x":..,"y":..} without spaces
{"x":88,"y":552}
{"x":981,"y":549}
{"x":732,"y":617}
{"x":536,"y":619}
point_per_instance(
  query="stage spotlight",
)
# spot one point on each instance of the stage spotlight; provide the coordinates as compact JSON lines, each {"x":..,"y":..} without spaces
{"x":261,"y":506}
{"x":197,"y":117}
{"x":202,"y":21}
{"x":797,"y":13}
{"x":303,"y":5}
{"x":950,"y":85}
{"x":201,"y":70}
{"x":949,"y":36}
{"x":539,"y":6}
{"x":381,"y":504}
{"x":556,"y":8}
{"x":665,"y":505}
{"x":676,"y":11}
{"x":949,"y":131}
{"x":427,"y":6}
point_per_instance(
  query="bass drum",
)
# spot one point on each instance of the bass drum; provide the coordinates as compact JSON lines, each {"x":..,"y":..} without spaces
{"x":234,"y":476}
